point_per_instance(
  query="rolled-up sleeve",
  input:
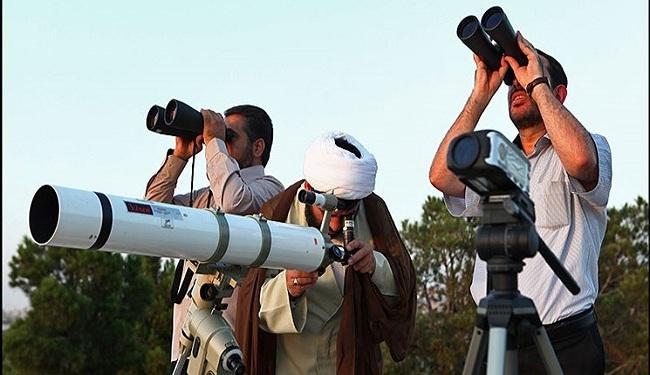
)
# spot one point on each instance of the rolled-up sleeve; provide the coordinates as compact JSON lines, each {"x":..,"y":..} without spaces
{"x":465,"y":207}
{"x":599,"y":195}
{"x":161,"y":186}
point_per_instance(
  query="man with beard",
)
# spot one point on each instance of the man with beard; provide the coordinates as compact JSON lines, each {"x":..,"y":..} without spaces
{"x":570,"y":180}
{"x":237,"y":150}
{"x":311,"y":323}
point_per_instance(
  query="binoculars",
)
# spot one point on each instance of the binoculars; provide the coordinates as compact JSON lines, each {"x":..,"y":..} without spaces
{"x":180,"y":120}
{"x":491,"y":38}
{"x":177,"y":119}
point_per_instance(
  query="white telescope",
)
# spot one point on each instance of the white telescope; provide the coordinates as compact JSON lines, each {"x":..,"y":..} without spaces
{"x":66,"y":217}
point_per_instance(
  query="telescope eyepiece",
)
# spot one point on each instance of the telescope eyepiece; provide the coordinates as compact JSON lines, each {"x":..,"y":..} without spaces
{"x":327,"y":202}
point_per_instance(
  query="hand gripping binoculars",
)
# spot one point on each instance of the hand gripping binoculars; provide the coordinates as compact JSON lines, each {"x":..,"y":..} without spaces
{"x":491,"y":38}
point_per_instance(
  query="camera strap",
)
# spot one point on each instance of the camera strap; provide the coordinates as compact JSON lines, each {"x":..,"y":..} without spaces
{"x":177,"y":294}
{"x":192,"y":177}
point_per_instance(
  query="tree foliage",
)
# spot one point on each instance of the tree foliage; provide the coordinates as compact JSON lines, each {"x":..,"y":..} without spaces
{"x":622,"y":304}
{"x":442,"y":249}
{"x":91,"y":312}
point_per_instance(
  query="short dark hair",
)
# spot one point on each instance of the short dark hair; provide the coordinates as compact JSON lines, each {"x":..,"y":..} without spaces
{"x":258,"y":125}
{"x":558,"y":77}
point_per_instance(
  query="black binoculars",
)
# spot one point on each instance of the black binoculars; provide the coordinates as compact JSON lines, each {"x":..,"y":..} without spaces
{"x":178,"y":119}
{"x":501,"y":39}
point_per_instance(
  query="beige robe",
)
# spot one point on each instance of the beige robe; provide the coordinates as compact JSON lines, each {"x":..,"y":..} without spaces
{"x":307,"y":328}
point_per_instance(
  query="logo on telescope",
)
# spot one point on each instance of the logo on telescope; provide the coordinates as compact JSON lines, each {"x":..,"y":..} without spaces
{"x":167,"y":223}
{"x":139,"y":208}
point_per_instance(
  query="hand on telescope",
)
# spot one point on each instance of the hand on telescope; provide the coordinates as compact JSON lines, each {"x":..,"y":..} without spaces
{"x":213,"y":125}
{"x":183,"y":147}
{"x":486,"y":81}
{"x":363,"y":258}
{"x":534,"y":69}
{"x":299,"y":281}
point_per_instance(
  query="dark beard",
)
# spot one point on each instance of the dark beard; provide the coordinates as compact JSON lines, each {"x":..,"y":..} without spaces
{"x":248,"y":155}
{"x":312,"y":222}
{"x":528,"y":119}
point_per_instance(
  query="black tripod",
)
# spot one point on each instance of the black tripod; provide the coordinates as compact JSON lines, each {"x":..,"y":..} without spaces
{"x":506,"y":236}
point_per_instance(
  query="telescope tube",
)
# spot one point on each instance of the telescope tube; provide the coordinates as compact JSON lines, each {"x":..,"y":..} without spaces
{"x":66,"y":217}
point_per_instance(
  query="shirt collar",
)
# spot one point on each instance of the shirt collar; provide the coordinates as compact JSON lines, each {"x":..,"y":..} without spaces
{"x":252,"y":173}
{"x":542,"y":143}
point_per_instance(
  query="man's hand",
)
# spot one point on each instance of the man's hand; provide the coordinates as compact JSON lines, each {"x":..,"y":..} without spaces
{"x":486,"y":81}
{"x":299,"y":281}
{"x":184,"y":148}
{"x":214,"y":126}
{"x":534,"y":69}
{"x":363,"y":259}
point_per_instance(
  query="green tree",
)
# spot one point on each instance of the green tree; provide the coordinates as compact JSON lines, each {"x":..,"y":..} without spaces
{"x":622,"y":304}
{"x":442,"y":249}
{"x":91,"y":312}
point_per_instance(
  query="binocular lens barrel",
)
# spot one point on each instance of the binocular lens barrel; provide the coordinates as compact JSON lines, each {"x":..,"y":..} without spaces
{"x":156,"y":123}
{"x":181,"y":116}
{"x":496,"y":24}
{"x":469,"y":31}
{"x":493,"y":20}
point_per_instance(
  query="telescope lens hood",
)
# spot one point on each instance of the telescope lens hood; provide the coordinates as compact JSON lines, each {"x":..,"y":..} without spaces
{"x":44,"y":214}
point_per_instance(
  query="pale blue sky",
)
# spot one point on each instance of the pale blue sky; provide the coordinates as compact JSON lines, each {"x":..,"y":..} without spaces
{"x":79,"y":77}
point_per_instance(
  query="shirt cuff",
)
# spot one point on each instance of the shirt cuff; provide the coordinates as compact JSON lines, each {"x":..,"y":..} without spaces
{"x":383,"y":276}
{"x":277,"y":315}
{"x":172,"y":168}
{"x":217,"y":157}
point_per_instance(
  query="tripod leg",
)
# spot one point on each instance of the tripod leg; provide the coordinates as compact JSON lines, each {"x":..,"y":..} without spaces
{"x":497,"y":350}
{"x":476,"y":352}
{"x":546,"y":351}
{"x":181,"y":361}
{"x":512,"y":362}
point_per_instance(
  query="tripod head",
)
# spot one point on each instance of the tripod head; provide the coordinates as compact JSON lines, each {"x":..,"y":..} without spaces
{"x":489,"y":164}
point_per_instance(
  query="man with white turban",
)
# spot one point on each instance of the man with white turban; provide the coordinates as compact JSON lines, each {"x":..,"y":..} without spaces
{"x":305,"y":323}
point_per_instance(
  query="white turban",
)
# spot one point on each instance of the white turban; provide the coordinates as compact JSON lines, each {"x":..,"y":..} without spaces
{"x":331,"y":169}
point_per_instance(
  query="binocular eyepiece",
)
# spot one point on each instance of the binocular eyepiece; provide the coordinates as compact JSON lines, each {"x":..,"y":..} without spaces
{"x":491,"y":38}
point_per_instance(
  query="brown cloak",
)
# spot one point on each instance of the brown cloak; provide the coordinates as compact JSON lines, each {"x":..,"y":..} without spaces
{"x":367,"y":317}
